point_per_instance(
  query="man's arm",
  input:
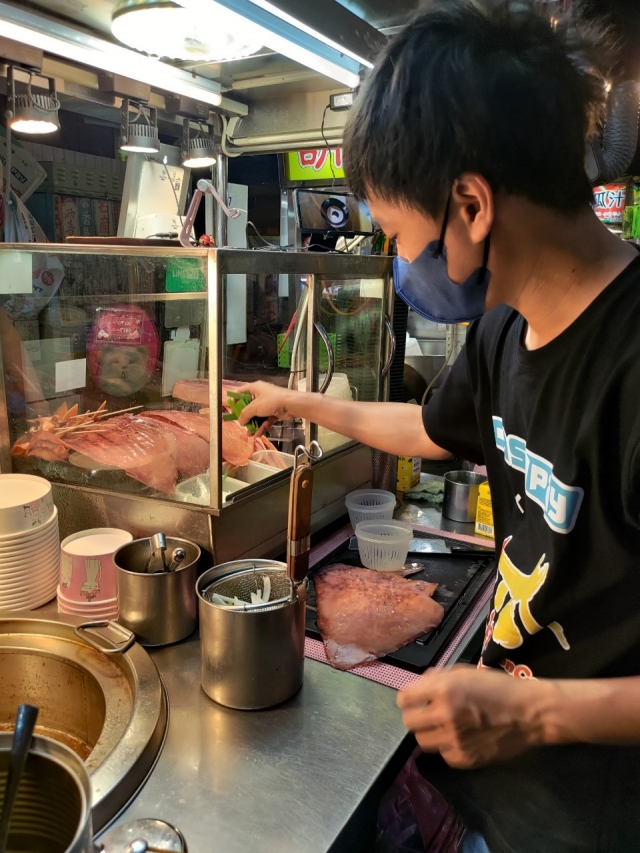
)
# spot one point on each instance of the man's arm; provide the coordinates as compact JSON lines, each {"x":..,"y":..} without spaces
{"x":475,"y":717}
{"x":395,"y":428}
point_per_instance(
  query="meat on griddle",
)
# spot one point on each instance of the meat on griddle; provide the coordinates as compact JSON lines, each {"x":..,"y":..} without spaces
{"x":364,"y":614}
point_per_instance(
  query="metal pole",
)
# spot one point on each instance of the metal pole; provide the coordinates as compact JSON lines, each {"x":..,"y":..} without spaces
{"x":208,"y":215}
{"x":220,"y":234}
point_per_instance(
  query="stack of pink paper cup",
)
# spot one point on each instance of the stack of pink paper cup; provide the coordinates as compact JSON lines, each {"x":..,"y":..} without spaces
{"x":88,"y":574}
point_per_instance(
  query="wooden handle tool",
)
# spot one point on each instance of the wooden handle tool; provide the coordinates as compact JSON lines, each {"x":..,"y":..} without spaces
{"x":299,"y":523}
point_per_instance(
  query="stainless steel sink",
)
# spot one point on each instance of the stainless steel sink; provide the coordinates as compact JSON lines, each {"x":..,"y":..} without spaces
{"x":110,"y":709}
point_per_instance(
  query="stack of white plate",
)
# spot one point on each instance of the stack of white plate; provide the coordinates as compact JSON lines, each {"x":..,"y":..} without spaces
{"x":29,"y":542}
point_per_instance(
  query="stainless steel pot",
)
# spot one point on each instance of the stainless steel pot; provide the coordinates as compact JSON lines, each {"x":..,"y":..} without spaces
{"x":251,"y":658}
{"x":461,"y":490}
{"x":160,"y":608}
{"x":53,"y":809}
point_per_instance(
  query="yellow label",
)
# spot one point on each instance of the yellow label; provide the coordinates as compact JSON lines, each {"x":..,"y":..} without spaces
{"x":408,"y":472}
{"x":484,"y":512}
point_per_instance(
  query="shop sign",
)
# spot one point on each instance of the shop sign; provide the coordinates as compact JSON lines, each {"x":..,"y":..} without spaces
{"x":609,"y":202}
{"x":314,"y":164}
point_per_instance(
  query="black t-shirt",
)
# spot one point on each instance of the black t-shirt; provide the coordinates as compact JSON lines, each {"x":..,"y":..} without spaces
{"x":559,"y":431}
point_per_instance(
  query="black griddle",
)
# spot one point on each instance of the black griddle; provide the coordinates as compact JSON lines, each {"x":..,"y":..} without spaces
{"x":461,"y":579}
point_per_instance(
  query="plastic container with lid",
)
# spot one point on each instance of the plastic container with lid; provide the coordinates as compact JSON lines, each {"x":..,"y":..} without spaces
{"x":370,"y":505}
{"x":383,"y":545}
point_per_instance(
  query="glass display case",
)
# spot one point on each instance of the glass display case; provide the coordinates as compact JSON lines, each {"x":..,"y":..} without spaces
{"x":120,"y":365}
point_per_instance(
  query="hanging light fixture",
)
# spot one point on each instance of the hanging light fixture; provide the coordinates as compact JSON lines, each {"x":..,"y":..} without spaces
{"x":165,"y":29}
{"x":198,"y":152}
{"x":29,"y":112}
{"x":138,"y":133}
{"x":288,"y":35}
{"x":25,"y":27}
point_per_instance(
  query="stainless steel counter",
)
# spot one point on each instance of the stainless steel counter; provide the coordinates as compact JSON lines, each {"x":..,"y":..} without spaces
{"x":286,"y":779}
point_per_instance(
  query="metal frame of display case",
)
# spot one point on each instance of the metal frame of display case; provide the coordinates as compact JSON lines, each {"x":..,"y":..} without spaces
{"x":254,"y":522}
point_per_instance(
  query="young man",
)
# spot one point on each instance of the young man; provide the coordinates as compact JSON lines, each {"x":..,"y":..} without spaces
{"x":468,"y":140}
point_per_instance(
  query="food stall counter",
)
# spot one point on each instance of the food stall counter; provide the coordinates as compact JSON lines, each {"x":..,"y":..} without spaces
{"x":300,"y":777}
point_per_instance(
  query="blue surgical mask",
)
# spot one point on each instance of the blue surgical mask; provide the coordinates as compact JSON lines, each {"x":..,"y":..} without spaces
{"x":427,"y":289}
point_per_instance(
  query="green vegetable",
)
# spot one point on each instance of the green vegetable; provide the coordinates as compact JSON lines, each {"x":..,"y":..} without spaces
{"x":238,"y":402}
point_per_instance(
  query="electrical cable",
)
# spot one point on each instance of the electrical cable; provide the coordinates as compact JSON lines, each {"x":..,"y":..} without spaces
{"x":225,"y":137}
{"x":175,"y":194}
{"x":258,"y":234}
{"x":301,"y":324}
{"x":53,"y":109}
{"x":425,"y":396}
{"x":326,"y":142}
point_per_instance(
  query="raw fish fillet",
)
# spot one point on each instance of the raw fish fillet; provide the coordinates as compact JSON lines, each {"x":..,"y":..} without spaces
{"x":364,"y":615}
{"x":43,"y":444}
{"x":191,"y":449}
{"x":237,"y":444}
{"x":197,"y":390}
{"x":144,"y":449}
{"x":192,"y":391}
{"x":190,"y":421}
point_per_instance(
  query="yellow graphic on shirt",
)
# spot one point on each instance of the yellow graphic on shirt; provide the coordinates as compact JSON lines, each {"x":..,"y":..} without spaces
{"x":514,"y":594}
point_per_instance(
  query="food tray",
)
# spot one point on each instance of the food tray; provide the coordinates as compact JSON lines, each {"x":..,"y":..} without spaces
{"x":460,"y":580}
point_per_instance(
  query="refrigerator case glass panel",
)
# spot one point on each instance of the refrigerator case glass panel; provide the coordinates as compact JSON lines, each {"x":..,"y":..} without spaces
{"x":118,"y":362}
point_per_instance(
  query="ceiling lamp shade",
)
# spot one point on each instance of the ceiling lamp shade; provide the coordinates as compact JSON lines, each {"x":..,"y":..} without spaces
{"x":198,"y":152}
{"x":28,"y":112}
{"x":22,"y":25}
{"x":138,"y":135}
{"x":165,"y":29}
{"x":288,"y":36}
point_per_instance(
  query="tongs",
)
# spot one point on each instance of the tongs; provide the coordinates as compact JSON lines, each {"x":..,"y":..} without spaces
{"x":299,"y":522}
{"x":158,"y":544}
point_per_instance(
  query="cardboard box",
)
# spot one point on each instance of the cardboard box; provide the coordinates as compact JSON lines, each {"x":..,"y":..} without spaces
{"x":26,"y":173}
{"x":408,"y":472}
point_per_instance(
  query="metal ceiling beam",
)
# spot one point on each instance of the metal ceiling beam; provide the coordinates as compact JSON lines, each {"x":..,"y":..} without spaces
{"x":290,"y":37}
{"x":335,"y":22}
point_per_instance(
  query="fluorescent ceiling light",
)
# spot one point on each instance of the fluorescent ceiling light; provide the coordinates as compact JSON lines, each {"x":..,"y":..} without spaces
{"x":291,"y":38}
{"x":58,"y":39}
{"x":269,"y":7}
{"x":162,"y":28}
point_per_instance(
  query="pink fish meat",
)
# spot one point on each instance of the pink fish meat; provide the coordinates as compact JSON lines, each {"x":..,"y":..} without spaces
{"x":191,"y":432}
{"x":364,"y":615}
{"x":192,"y":391}
{"x":237,"y":444}
{"x":43,"y":444}
{"x":197,"y":390}
{"x":145,"y":450}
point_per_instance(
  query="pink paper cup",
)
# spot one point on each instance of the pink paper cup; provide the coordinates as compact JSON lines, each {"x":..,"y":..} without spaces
{"x":87,"y":570}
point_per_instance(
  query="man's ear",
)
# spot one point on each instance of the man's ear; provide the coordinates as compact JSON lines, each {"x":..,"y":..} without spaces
{"x":473,"y":201}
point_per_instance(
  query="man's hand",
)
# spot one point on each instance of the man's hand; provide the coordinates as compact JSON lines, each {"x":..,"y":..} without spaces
{"x":474,"y":717}
{"x":269,"y":401}
{"x":394,"y":428}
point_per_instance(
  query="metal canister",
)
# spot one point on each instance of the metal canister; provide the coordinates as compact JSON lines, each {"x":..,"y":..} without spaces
{"x":53,"y":807}
{"x":251,"y":657}
{"x":160,"y":607}
{"x":461,"y":490}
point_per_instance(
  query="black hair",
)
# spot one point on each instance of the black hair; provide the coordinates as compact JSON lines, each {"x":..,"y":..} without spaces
{"x":485,"y":86}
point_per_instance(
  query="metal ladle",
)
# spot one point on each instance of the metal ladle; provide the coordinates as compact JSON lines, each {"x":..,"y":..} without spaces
{"x":158,"y":543}
{"x":25,"y":724}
